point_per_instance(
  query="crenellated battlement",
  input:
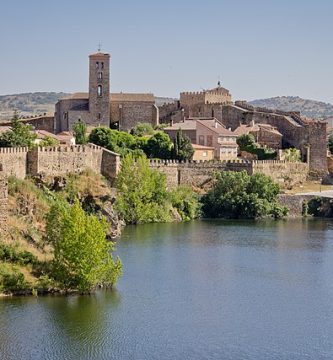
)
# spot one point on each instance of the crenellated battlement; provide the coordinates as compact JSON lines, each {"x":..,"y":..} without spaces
{"x":12,"y":150}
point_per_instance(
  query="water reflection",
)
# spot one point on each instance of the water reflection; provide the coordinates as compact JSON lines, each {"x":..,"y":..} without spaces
{"x":198,"y":290}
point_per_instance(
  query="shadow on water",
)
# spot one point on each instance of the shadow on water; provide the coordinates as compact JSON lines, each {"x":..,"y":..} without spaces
{"x":76,"y":324}
{"x":281,"y":234}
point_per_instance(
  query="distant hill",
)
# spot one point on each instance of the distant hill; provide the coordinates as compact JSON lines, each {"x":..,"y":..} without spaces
{"x":28,"y":103}
{"x":39,"y":103}
{"x":309,"y":108}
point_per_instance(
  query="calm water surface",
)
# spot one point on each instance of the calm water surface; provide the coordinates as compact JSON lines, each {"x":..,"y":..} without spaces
{"x":201,"y":290}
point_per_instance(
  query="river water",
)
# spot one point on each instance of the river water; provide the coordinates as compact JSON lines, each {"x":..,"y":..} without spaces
{"x":198,"y":290}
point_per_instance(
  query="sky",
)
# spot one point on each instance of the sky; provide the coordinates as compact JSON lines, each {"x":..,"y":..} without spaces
{"x":258,"y":48}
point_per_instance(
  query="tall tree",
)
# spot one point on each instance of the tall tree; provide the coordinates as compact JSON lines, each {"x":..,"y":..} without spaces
{"x":80,"y":132}
{"x":182,"y":148}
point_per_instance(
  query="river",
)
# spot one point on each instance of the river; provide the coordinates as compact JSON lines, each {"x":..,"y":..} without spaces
{"x":198,"y":290}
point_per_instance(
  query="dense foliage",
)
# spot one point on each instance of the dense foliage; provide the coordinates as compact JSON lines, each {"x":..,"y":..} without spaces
{"x":238,"y":195}
{"x":186,"y":202}
{"x":246,"y":142}
{"x":118,"y":141}
{"x":19,"y":135}
{"x":292,"y":154}
{"x":80,"y":133}
{"x":182,"y":147}
{"x":142,"y":195}
{"x":82,"y":255}
{"x":159,"y":146}
{"x":330,"y":143}
{"x":142,"y":129}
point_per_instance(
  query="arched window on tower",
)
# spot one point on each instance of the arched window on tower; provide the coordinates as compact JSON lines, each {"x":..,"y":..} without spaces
{"x":100,"y":76}
{"x":99,"y":90}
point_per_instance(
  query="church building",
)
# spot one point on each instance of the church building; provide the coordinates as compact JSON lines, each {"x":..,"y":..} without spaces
{"x":99,"y":107}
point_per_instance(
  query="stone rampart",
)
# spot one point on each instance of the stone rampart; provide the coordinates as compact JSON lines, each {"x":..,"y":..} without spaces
{"x":14,"y":161}
{"x":59,"y":160}
{"x":284,"y":173}
{"x":198,"y":174}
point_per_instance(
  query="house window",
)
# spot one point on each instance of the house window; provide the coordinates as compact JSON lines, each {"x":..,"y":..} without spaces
{"x":201,"y":140}
{"x":99,"y":90}
{"x":204,"y":153}
{"x":209,"y":140}
{"x":99,"y":116}
{"x":100,"y":76}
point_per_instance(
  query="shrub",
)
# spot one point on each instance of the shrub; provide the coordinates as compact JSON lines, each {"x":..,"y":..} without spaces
{"x":80,"y":132}
{"x":182,"y":147}
{"x":142,"y":195}
{"x":82,"y":255}
{"x":238,"y":195}
{"x":159,"y":146}
{"x":186,"y":202}
{"x":142,"y":129}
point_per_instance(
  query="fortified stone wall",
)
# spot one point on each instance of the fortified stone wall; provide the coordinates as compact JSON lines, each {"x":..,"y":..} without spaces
{"x":197,"y":174}
{"x":14,"y":161}
{"x":3,"y":201}
{"x":283,"y":172}
{"x":59,"y":160}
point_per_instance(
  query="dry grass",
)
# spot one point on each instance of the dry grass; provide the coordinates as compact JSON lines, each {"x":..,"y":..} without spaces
{"x":309,"y":186}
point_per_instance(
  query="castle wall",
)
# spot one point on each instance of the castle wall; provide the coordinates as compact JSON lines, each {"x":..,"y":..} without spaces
{"x":14,"y":161}
{"x":198,"y":174}
{"x":62,"y":160}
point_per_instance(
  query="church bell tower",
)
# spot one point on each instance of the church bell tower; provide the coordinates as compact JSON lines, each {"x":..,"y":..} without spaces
{"x":99,"y":88}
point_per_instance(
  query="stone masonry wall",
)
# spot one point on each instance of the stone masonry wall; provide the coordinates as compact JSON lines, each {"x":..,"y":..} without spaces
{"x":72,"y":159}
{"x":14,"y":161}
{"x":3,"y":201}
{"x":197,"y":174}
{"x":59,"y":160}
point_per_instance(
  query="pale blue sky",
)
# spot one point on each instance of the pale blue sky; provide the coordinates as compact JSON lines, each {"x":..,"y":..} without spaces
{"x":259,"y":48}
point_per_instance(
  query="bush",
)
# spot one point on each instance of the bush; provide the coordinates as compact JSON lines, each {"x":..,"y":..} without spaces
{"x":11,"y":279}
{"x":142,"y":129}
{"x":159,"y":146}
{"x":80,"y":133}
{"x":82,"y":255}
{"x":238,"y":195}
{"x":9,"y":253}
{"x":142,"y":195}
{"x":186,"y":202}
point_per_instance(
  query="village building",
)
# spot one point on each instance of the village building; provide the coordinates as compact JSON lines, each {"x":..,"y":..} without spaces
{"x":64,"y":138}
{"x":203,"y":153}
{"x":188,"y":128}
{"x":265,"y":135}
{"x":212,"y":133}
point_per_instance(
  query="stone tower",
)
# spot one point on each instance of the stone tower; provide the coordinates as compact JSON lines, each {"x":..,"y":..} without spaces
{"x":99,"y":88}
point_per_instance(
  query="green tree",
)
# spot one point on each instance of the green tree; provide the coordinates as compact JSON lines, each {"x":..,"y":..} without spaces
{"x":142,"y":129}
{"x":330,"y":143}
{"x":80,"y":132}
{"x":185,"y":200}
{"x":182,"y":148}
{"x":19,"y":135}
{"x":238,"y":195}
{"x":292,"y":154}
{"x":49,"y":141}
{"x":82,"y":255}
{"x":159,"y":146}
{"x":142,"y":195}
{"x":245,"y":140}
